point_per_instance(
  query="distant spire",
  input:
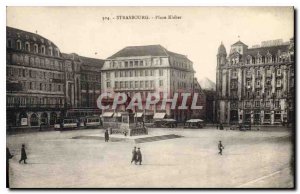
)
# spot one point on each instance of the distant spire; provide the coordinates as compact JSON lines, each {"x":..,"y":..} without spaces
{"x":36,"y":31}
{"x":239,"y":37}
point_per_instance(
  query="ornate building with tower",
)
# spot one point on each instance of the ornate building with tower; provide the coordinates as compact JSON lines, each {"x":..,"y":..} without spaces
{"x":256,"y":85}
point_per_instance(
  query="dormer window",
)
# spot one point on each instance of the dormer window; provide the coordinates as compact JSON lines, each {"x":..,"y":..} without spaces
{"x":27,"y":46}
{"x":57,"y":52}
{"x":35,"y":48}
{"x":43,"y":50}
{"x":253,"y":60}
{"x":50,"y":51}
{"x":19,"y":45}
{"x":9,"y":44}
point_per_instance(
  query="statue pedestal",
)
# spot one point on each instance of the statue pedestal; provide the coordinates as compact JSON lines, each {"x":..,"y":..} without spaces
{"x":130,"y":126}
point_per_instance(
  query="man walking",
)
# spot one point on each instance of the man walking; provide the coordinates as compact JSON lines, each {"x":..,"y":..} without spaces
{"x":221,"y":147}
{"x":139,"y":156}
{"x":106,"y":136}
{"x":23,"y":155}
{"x":134,"y":158}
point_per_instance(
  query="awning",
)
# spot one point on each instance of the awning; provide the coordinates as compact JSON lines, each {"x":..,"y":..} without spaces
{"x":159,"y":115}
{"x":194,"y":120}
{"x":138,"y":114}
{"x":117,"y":114}
{"x":107,"y":114}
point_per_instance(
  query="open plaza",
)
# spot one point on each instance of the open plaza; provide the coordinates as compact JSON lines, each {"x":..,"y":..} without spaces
{"x":172,"y":158}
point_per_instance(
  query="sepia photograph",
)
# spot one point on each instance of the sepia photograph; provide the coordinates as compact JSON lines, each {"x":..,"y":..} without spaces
{"x":150,"y":97}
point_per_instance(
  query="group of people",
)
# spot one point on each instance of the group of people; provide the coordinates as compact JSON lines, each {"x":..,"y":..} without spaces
{"x":136,"y":156}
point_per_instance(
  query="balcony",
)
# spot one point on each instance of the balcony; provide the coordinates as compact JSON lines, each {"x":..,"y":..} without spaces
{"x":233,"y":88}
{"x":258,"y":77}
{"x":248,"y":105}
{"x":269,"y":75}
{"x":258,"y":86}
{"x":18,"y":105}
{"x":279,"y":85}
{"x":248,"y":75}
{"x":248,"y":87}
{"x":133,"y":89}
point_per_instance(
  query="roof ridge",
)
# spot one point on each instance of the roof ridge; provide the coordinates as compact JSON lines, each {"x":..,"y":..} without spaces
{"x":165,"y":50}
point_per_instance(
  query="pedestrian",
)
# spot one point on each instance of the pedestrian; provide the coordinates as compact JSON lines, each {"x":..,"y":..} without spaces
{"x":8,"y":157}
{"x":221,"y":126}
{"x":133,"y":156}
{"x":23,"y":155}
{"x":221,"y":147}
{"x":139,"y":156}
{"x":106,"y":136}
{"x":217,"y":126}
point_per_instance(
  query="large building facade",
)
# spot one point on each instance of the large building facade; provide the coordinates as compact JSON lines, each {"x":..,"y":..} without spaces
{"x":149,"y":69}
{"x":256,"y":85}
{"x":43,"y":84}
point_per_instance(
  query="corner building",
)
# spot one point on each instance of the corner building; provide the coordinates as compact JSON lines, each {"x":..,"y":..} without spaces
{"x":256,"y":85}
{"x":149,"y":69}
{"x":43,"y":84}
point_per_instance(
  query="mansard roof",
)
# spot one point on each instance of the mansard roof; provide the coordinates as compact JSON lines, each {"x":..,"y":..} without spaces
{"x":147,"y":50}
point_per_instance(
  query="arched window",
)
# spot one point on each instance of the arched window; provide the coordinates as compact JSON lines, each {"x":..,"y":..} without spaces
{"x":43,"y":50}
{"x":34,"y":120}
{"x":263,"y":59}
{"x":253,"y":60}
{"x":248,"y":60}
{"x":50,"y":51}
{"x":9,"y":43}
{"x":19,"y":44}
{"x":27,"y":46}
{"x":57,"y":52}
{"x":35,"y":48}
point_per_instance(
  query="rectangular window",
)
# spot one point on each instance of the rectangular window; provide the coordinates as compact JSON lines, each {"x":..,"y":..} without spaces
{"x":278,"y":71}
{"x":161,"y":72}
{"x":161,"y":83}
{"x":136,"y":73}
{"x":121,"y":85}
{"x":278,"y":93}
{"x":108,"y":84}
{"x":116,"y":85}
{"x":131,"y":73}
{"x":136,"y":63}
{"x":126,"y":64}
{"x":131,"y":84}
{"x":141,"y":84}
{"x":108,"y":75}
{"x":126,"y":84}
{"x":136,"y":84}
{"x":276,"y":104}
{"x":131,"y":63}
{"x":141,"y":63}
{"x":116,"y":74}
{"x":152,"y":84}
{"x":267,"y":103}
{"x":152,"y":72}
{"x":278,"y":82}
{"x":146,"y":72}
{"x":146,"y":84}
{"x":141,"y":72}
{"x":258,"y":83}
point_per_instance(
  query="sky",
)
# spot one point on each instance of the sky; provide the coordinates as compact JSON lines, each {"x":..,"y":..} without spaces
{"x":197,"y":34}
